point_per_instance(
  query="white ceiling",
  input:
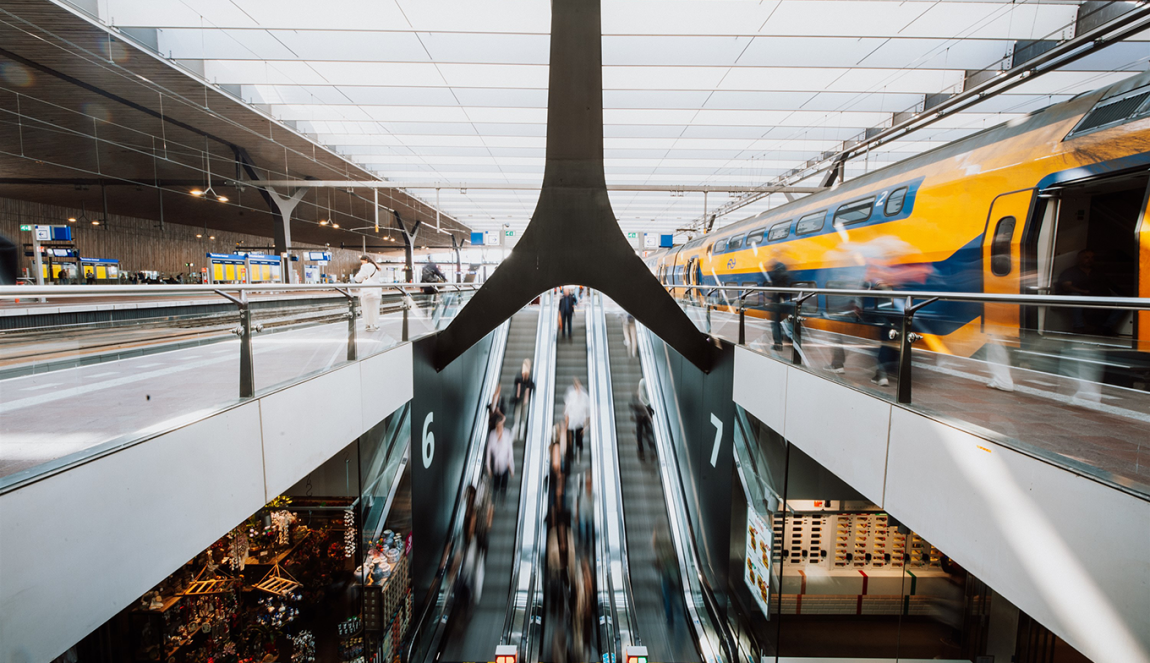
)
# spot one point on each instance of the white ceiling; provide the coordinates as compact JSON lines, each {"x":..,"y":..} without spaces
{"x":714,"y":92}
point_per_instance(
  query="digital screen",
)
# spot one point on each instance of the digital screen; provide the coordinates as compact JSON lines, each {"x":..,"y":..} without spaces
{"x":757,"y":562}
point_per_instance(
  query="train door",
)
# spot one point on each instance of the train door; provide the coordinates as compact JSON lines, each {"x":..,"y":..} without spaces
{"x":1103,"y":224}
{"x":1142,"y":325}
{"x":1002,"y":259}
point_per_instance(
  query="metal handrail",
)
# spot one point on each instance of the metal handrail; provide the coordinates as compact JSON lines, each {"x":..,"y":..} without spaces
{"x":904,"y":336}
{"x":614,"y":567}
{"x":240,"y":296}
{"x":531,"y":541}
{"x":1123,"y":303}
{"x":160,"y":290}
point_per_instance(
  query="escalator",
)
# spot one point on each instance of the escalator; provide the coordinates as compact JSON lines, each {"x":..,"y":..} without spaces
{"x":472,"y":635}
{"x":645,"y":513}
{"x":570,"y":364}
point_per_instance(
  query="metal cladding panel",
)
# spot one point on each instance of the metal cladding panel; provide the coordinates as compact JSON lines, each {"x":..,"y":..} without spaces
{"x":442,"y":411}
{"x":707,"y":409}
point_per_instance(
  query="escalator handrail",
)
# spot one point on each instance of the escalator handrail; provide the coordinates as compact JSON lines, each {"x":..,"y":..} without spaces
{"x":611,"y":532}
{"x":473,"y":466}
{"x":711,"y":641}
{"x":525,"y":575}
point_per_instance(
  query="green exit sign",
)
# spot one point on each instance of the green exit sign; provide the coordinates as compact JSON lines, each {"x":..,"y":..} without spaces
{"x":632,"y":235}
{"x":26,"y":228}
{"x":509,"y":233}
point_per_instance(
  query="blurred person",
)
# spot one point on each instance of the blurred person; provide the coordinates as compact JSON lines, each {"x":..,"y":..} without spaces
{"x":556,"y":486}
{"x":665,"y":565}
{"x":496,"y":408}
{"x":641,"y":413}
{"x":369,"y":298}
{"x":431,"y":274}
{"x":500,"y":457}
{"x":585,"y":512}
{"x":1085,"y":280}
{"x":524,"y":385}
{"x":779,"y":277}
{"x":630,"y":340}
{"x":577,"y":409}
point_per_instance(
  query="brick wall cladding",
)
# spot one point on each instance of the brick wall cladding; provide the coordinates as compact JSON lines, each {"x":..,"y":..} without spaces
{"x":140,"y":244}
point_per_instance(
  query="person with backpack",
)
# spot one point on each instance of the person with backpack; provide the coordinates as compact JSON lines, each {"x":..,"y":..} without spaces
{"x":369,"y":298}
{"x":431,"y":274}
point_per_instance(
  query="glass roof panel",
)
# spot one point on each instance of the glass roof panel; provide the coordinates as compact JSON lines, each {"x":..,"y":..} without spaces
{"x":696,"y":91}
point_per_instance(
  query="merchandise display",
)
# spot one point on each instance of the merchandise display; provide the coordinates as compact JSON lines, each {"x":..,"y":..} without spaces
{"x":265,"y":590}
{"x":856,"y":563}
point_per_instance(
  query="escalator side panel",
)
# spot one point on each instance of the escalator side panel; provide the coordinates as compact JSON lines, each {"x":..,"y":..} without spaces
{"x":475,"y":633}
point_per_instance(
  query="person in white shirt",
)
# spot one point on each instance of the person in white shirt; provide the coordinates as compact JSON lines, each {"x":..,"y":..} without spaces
{"x":577,"y":409}
{"x":500,"y":455}
{"x":369,"y":298}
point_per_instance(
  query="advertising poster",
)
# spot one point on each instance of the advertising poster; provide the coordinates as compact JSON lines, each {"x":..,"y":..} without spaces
{"x":757,"y":565}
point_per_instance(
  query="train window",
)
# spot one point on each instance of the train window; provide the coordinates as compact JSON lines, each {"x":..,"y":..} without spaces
{"x":755,"y":238}
{"x":779,"y":231}
{"x":719,"y":246}
{"x":1000,"y":259}
{"x":894,"y":202}
{"x":811,"y":223}
{"x":855,"y":211}
{"x":735,"y":243}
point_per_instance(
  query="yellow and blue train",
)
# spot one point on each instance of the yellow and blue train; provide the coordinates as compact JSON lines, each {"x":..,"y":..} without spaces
{"x":1007,"y":210}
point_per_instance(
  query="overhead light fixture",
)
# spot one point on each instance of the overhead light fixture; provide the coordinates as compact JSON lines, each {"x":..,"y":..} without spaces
{"x":208,"y":192}
{"x":211,"y":236}
{"x":71,"y":219}
{"x":95,"y":222}
{"x":335,"y":225}
{"x":323,"y":222}
{"x":198,"y":235}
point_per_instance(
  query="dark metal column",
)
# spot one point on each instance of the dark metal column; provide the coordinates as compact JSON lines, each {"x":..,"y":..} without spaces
{"x":573,"y":237}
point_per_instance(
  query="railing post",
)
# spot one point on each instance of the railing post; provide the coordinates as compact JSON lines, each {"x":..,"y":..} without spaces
{"x":797,"y":328}
{"x":247,"y":359}
{"x":406,"y":307}
{"x":247,"y":363}
{"x":742,"y":321}
{"x":353,"y":313}
{"x":906,"y":339}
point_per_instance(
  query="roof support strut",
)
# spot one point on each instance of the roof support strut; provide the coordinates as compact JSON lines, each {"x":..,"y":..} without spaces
{"x":573,"y":237}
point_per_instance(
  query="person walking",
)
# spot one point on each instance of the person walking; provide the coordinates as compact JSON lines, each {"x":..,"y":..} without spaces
{"x":566,"y":311}
{"x":500,"y":457}
{"x":524,"y":385}
{"x":665,"y":564}
{"x":577,"y":410}
{"x":641,"y":411}
{"x":630,"y":339}
{"x":369,"y":298}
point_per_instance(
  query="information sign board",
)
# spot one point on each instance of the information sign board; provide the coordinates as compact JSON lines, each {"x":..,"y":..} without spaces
{"x":44,"y":233}
{"x":509,"y":233}
{"x":632,"y":235}
{"x":477,"y":239}
{"x":650,"y":241}
{"x":26,"y":227}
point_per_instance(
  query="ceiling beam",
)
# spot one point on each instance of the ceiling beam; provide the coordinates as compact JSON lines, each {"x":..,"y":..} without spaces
{"x":672,"y":188}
